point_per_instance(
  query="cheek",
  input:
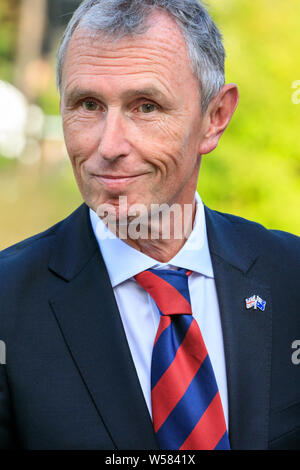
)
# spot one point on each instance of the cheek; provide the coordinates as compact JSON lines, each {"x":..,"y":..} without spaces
{"x":81,"y":139}
{"x":169,"y":142}
{"x":183,"y":139}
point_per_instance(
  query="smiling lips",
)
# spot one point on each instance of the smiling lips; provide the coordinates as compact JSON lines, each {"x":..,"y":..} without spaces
{"x":117,"y":180}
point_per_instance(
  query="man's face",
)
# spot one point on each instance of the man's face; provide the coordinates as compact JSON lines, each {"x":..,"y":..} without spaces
{"x":131,"y":117}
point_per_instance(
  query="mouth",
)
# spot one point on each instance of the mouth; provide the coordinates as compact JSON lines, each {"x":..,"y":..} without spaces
{"x":115,"y":181}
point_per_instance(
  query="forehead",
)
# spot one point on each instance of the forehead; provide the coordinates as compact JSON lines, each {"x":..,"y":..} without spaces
{"x":159,"y":54}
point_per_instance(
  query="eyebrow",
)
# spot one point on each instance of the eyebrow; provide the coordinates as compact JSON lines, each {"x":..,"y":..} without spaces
{"x":151,"y":92}
{"x":75,"y":95}
{"x":148,"y":91}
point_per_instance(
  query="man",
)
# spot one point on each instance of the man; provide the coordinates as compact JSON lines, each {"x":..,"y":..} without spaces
{"x":84,"y":310}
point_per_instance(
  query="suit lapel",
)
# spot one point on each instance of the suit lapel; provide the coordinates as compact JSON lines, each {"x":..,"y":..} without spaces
{"x":88,"y":316}
{"x":247,"y":333}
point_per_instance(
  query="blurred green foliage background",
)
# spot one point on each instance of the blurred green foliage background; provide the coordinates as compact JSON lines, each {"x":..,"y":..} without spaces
{"x":254,"y":172}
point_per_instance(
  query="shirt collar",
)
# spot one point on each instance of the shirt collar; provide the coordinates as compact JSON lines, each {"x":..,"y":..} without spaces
{"x":123,"y":261}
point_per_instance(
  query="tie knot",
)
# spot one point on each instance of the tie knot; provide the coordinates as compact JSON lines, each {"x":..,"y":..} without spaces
{"x":169,"y":290}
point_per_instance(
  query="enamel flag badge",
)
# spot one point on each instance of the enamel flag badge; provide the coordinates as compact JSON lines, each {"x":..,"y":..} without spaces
{"x":255,"y":302}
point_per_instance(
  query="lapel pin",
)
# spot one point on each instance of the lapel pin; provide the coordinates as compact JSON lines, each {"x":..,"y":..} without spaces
{"x":255,"y":302}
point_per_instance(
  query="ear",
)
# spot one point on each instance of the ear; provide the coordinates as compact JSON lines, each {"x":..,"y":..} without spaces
{"x":218,"y":116}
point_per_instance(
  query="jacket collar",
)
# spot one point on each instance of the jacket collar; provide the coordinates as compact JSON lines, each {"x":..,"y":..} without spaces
{"x":74,"y":245}
{"x":228,"y":239}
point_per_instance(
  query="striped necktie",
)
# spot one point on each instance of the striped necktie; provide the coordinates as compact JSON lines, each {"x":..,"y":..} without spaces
{"x":186,"y":406}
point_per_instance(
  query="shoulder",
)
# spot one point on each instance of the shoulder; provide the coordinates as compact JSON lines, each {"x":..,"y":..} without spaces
{"x":29,"y":244}
{"x":269,"y":238}
{"x":23,"y":267}
{"x":259,"y":233}
{"x":243,"y":235}
{"x":32,"y":253}
{"x":29,"y":248}
{"x":26,"y":279}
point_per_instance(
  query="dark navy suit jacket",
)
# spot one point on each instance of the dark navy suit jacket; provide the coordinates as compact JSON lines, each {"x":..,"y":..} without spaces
{"x":69,"y":381}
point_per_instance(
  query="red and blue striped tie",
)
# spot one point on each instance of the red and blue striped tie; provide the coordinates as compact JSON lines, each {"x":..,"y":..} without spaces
{"x":186,"y":406}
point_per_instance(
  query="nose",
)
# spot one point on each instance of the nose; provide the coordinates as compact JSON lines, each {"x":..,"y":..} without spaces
{"x":113,"y":139}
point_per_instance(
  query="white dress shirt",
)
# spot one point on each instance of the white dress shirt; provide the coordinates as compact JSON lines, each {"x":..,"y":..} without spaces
{"x":138,"y":311}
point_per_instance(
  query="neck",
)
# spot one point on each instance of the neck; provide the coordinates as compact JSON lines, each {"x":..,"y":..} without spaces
{"x":164,"y":233}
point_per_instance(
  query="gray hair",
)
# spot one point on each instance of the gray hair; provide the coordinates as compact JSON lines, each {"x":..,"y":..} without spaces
{"x":119,"y":18}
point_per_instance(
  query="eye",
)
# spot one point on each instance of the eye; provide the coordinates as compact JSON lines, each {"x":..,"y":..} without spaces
{"x":147,"y":108}
{"x":90,"y":105}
